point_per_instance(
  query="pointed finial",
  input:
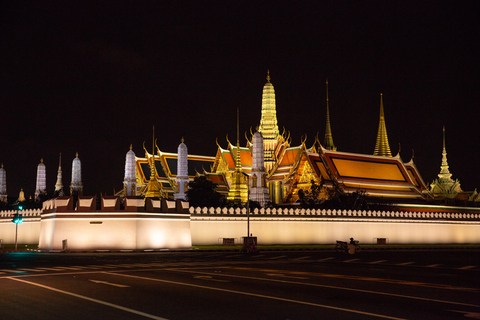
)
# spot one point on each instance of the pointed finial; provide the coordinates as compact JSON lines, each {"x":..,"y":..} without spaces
{"x":268,"y":75}
{"x":183,"y":140}
{"x":41,"y":160}
{"x":2,"y":165}
{"x":443,"y":137}
{"x":76,"y":154}
{"x":130,"y":146}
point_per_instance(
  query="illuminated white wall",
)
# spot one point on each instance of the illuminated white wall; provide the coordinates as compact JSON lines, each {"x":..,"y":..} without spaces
{"x":114,"y":231}
{"x":28,"y":231}
{"x":300,"y":226}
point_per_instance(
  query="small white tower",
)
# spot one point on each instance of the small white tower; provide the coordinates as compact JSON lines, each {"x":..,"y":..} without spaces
{"x":181,"y":181}
{"x":41,"y":180}
{"x":76,"y":186}
{"x":59,"y":184}
{"x":130,"y":180}
{"x":3,"y":184}
{"x":258,"y":184}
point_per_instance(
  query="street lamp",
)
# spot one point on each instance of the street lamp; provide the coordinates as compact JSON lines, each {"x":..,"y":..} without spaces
{"x":17,"y":218}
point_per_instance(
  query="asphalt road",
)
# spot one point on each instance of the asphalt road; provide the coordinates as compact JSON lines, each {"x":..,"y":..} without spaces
{"x":229,"y":285}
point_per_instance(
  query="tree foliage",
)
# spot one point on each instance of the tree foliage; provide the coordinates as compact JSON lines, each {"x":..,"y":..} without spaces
{"x":201,"y":193}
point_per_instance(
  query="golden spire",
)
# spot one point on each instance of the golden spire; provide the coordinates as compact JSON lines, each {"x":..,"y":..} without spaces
{"x":130,"y":146}
{"x":444,"y":172}
{"x":238,"y":192}
{"x":268,"y":124}
{"x":382,"y":148}
{"x":329,"y":145}
{"x":153,"y":187}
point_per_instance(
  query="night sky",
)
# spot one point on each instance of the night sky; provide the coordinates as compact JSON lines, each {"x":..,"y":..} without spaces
{"x":95,"y":77}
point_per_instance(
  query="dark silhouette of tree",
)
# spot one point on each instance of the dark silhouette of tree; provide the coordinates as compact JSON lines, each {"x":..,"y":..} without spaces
{"x":201,"y":193}
{"x":310,"y":196}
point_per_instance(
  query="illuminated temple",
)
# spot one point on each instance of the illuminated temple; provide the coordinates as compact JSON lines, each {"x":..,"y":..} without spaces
{"x":150,"y":212}
{"x":290,"y":168}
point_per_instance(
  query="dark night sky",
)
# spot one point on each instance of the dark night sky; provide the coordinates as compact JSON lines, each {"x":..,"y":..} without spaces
{"x":94,"y":77}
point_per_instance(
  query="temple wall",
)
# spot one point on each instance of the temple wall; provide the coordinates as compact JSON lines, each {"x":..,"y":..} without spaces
{"x":114,"y":231}
{"x":133,"y":230}
{"x":28,"y":231}
{"x":304,"y":226}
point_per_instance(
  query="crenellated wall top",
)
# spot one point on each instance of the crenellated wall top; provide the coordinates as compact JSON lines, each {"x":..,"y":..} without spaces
{"x":335,"y":213}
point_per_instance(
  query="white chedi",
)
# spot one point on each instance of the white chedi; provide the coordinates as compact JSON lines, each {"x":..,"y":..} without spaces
{"x":129,"y":179}
{"x":258,"y":186}
{"x":181,"y":180}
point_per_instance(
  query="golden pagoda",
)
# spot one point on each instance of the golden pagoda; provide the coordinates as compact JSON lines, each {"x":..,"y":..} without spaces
{"x":445,"y":187}
{"x":238,"y":192}
{"x":329,"y":145}
{"x":153,"y":187}
{"x":268,"y":124}
{"x":382,"y":147}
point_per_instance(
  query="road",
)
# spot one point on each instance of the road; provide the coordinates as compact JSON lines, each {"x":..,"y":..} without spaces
{"x":229,"y":285}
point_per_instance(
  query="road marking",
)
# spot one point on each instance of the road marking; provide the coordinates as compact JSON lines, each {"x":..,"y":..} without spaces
{"x":14,"y":271}
{"x":32,"y":270}
{"x":325,"y":259}
{"x":281,"y":275}
{"x":302,"y":258}
{"x":378,"y":261}
{"x":352,"y":277}
{"x":405,"y":263}
{"x":257,"y":295}
{"x":339,"y":288}
{"x":140,"y":313}
{"x":466,"y":267}
{"x":433,"y":265}
{"x":110,"y":284}
{"x":351,"y":260}
{"x":209,"y":278}
{"x":275,"y":258}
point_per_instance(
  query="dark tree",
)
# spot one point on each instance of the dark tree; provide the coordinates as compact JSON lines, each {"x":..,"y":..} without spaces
{"x":201,"y":193}
{"x":310,"y":196}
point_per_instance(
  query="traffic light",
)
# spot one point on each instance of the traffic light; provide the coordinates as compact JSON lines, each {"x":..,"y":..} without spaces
{"x":17,"y":218}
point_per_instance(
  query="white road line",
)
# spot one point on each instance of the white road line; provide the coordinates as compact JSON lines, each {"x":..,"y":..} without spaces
{"x":433,"y":265}
{"x":325,"y":259}
{"x":333,"y":287}
{"x":351,"y":260}
{"x":14,"y":271}
{"x":405,"y":263}
{"x":466,"y":267}
{"x":275,"y":258}
{"x":258,"y":296}
{"x":32,"y":270}
{"x":140,"y":313}
{"x":378,"y":261}
{"x":302,"y":258}
{"x":71,"y":268}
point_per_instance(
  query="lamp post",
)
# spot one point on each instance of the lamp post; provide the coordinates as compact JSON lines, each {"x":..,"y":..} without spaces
{"x":17,"y":219}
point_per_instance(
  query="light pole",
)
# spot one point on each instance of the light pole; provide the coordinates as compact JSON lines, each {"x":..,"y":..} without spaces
{"x":17,"y":219}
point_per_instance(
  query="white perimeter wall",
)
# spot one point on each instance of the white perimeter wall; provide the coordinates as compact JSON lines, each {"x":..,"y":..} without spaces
{"x":115,"y":233}
{"x":207,"y":231}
